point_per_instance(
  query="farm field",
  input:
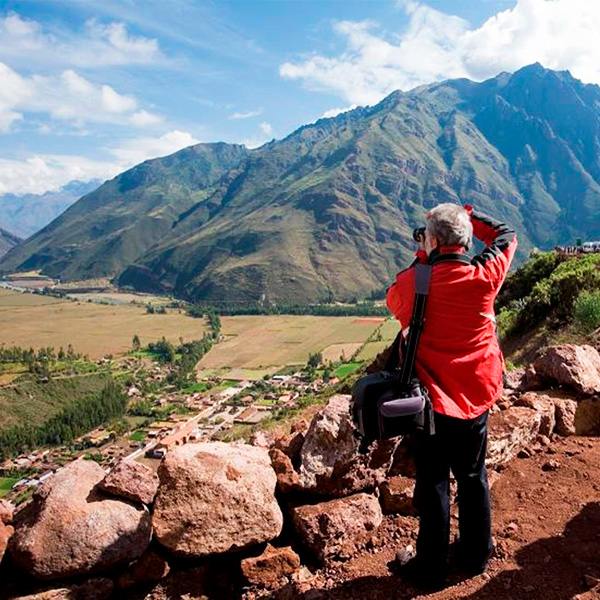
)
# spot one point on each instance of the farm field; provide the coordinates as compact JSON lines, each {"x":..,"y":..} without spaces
{"x":119,"y":298}
{"x":259,"y":343}
{"x":30,"y":320}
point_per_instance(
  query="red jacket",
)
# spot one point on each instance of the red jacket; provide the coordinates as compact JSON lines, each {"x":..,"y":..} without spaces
{"x":459,"y":360}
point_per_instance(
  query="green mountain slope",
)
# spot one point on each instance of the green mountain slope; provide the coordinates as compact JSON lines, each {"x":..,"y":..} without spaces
{"x":328,"y":211}
{"x":7,"y":241}
{"x":109,"y":228}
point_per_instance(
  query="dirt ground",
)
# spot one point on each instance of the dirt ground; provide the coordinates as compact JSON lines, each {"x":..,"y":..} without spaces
{"x":546,"y":528}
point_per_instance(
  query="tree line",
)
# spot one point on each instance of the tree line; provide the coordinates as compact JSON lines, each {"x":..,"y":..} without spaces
{"x":72,"y":421}
{"x":362,"y":309}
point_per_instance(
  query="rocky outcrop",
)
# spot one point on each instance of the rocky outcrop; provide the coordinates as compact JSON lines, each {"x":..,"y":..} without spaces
{"x":71,"y":528}
{"x":215,"y":497}
{"x":544,"y":405}
{"x":271,"y":566}
{"x":330,"y":461}
{"x":510,"y":431}
{"x":150,"y":567}
{"x":339,"y":528}
{"x":396,"y":496}
{"x":565,"y":416}
{"x":576,"y":367}
{"x":132,"y":481}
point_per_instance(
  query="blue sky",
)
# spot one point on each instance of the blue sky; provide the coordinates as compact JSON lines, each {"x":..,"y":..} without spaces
{"x":89,"y":88}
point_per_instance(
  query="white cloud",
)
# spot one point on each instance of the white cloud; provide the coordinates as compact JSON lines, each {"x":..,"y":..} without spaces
{"x":561,"y":34}
{"x":26,"y":42}
{"x":137,"y":150}
{"x":334,"y":112}
{"x":266,"y":128}
{"x":245,"y":115}
{"x":143,"y":118}
{"x":45,"y":172}
{"x":68,"y":97}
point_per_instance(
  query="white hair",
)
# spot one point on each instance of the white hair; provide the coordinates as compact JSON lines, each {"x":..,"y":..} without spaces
{"x":451,"y":225}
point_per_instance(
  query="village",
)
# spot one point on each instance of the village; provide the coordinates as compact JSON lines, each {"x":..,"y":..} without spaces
{"x":197,"y":416}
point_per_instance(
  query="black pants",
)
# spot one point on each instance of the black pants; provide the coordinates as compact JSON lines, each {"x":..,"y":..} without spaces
{"x":458,"y":445}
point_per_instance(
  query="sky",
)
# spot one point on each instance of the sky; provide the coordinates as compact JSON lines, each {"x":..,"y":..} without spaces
{"x":89,"y":88}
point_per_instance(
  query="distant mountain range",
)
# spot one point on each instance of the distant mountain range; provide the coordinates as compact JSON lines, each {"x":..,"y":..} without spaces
{"x":328,"y":211}
{"x":26,"y":214}
{"x":7,"y":241}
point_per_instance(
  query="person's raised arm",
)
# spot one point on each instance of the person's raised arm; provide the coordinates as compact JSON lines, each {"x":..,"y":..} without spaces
{"x":500,"y":245}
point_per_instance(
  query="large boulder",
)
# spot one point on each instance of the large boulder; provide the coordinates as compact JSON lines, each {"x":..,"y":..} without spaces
{"x":215,"y":497}
{"x":339,"y":528}
{"x":7,"y":511}
{"x":543,"y":404}
{"x":330,"y":461}
{"x":577,"y":367}
{"x":131,"y":480}
{"x":509,"y":432}
{"x":70,"y":528}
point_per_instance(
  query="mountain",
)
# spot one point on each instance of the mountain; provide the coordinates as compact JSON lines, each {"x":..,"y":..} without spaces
{"x":328,"y":211}
{"x":7,"y":241}
{"x":28,"y":213}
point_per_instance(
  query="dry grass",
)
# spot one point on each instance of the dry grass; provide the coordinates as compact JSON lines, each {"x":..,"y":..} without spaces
{"x":29,"y":320}
{"x":253,"y":342}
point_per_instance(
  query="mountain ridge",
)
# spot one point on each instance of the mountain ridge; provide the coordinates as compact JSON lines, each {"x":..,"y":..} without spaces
{"x":327,"y":212}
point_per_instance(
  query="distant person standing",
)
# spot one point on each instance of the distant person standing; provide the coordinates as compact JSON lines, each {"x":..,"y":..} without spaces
{"x":460,"y":363}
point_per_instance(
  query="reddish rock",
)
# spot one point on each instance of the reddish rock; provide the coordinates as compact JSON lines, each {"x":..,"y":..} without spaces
{"x":340,"y":528}
{"x":261,"y":439}
{"x":287,"y":478}
{"x":577,"y":367}
{"x":268,"y":569}
{"x":150,"y":567}
{"x":515,"y":379}
{"x":330,"y":461}
{"x":131,"y":480}
{"x":545,"y":406}
{"x":587,"y":417}
{"x":7,"y":511}
{"x":6,"y":532}
{"x":509,"y":432}
{"x":290,"y":444}
{"x":93,"y":589}
{"x":72,"y":529}
{"x":565,"y":416}
{"x":214,"y":498}
{"x":396,"y":496}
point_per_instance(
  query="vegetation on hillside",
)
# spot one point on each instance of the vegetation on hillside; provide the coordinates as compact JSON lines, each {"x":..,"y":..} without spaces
{"x":552,"y":289}
{"x":74,"y":419}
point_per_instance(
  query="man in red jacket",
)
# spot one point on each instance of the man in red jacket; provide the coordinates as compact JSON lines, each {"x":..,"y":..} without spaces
{"x":460,"y":364}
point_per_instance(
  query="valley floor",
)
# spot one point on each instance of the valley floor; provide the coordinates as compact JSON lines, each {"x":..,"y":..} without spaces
{"x":546,"y":528}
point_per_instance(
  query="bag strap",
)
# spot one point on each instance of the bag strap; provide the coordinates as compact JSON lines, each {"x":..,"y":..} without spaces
{"x":422,"y":278}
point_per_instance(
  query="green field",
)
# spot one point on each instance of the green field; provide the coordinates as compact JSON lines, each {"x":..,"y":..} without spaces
{"x":345,"y":369}
{"x":6,"y":484}
{"x":138,"y":436}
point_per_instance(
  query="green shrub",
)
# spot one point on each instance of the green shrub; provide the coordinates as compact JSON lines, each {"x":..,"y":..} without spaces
{"x":586,"y":312}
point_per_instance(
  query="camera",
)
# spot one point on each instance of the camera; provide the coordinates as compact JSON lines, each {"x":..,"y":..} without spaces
{"x":419,"y":234}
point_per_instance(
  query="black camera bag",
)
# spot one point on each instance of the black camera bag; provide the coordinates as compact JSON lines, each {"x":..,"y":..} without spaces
{"x":392,"y":402}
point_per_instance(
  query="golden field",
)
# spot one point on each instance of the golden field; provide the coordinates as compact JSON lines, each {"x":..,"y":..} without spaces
{"x":31,"y":320}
